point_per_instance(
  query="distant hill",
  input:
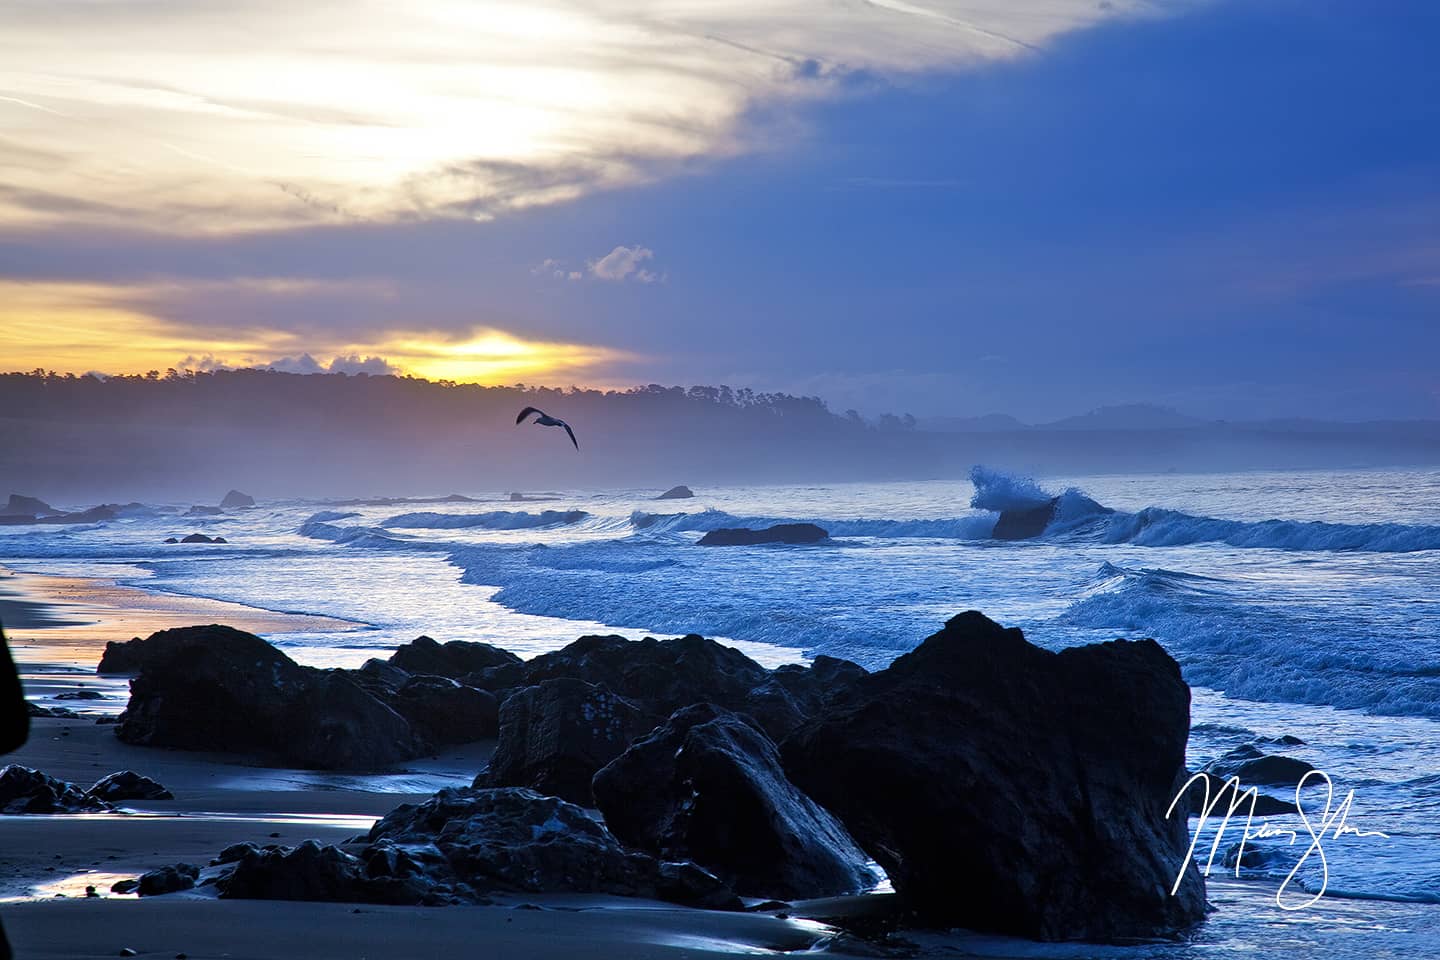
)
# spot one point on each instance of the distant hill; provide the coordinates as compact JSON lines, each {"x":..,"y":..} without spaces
{"x":1128,"y":416}
{"x":990,"y":423}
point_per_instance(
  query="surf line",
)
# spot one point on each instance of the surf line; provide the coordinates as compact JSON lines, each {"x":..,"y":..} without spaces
{"x":1333,"y":825}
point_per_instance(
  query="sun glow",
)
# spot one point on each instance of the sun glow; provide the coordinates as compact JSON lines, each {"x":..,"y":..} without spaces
{"x":78,"y":328}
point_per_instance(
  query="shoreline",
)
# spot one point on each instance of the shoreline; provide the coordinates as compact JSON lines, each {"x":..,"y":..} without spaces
{"x":64,"y":622}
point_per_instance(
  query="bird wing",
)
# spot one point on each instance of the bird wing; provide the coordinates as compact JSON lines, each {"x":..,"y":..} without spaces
{"x":525,"y":413}
{"x":572,"y":434}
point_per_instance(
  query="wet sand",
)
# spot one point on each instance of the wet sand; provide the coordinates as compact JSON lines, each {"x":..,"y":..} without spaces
{"x":66,"y":621}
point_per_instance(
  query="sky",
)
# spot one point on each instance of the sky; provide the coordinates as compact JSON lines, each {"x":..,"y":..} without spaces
{"x":1037,"y":208}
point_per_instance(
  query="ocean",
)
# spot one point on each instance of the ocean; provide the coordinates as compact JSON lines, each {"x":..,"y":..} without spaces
{"x":1300,"y":604}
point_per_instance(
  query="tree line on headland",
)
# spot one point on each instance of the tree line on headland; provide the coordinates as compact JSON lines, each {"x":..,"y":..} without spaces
{"x":183,"y":433}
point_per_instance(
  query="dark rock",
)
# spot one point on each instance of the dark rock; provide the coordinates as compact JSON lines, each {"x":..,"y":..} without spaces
{"x":23,"y":790}
{"x":707,"y":786}
{"x":454,"y":659}
{"x":384,"y":673}
{"x":1254,"y":766}
{"x":1010,"y":789}
{"x":314,"y":872}
{"x":217,"y":688}
{"x":125,"y":886}
{"x":122,"y":657}
{"x":516,"y":840}
{"x":554,"y":736}
{"x":1284,"y":740}
{"x":235,"y":500}
{"x":517,"y":497}
{"x":35,"y":710}
{"x":199,"y":511}
{"x":792,"y":694}
{"x":197,"y":538}
{"x":170,"y":540}
{"x":779,"y":533}
{"x":680,"y":492}
{"x":19,"y":505}
{"x":128,"y":785}
{"x":80,"y":695}
{"x":660,"y":676}
{"x":218,"y":540}
{"x":1220,"y":799}
{"x":1022,"y":523}
{"x":93,"y":515}
{"x":233,"y":853}
{"x":181,"y":876}
{"x":444,"y":711}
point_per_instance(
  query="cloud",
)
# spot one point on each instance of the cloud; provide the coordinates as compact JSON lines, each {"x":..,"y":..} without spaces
{"x":229,"y":118}
{"x":624,"y":263}
{"x":351,"y":364}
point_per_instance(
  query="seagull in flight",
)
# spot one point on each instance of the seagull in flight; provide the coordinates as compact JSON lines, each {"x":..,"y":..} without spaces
{"x":545,"y":420}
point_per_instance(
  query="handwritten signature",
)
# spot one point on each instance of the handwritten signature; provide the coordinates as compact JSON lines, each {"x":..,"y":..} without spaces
{"x":1332,"y":825}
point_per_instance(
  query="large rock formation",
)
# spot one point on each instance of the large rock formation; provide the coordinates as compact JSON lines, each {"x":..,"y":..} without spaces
{"x":707,"y":786}
{"x":128,"y":785}
{"x":446,"y":711}
{"x":1011,"y":789}
{"x":217,"y":688}
{"x":554,"y":736}
{"x":779,"y":533}
{"x":679,"y":492}
{"x":235,"y":500}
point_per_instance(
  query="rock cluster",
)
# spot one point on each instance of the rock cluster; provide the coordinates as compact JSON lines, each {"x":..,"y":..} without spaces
{"x":778,"y":533}
{"x":25,"y":790}
{"x":1002,"y":787}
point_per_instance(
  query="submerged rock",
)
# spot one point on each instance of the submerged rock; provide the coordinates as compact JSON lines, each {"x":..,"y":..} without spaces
{"x":707,"y":786}
{"x":680,"y":492}
{"x":1254,"y":766}
{"x":779,"y":533}
{"x":554,"y":736}
{"x":235,"y":500}
{"x":1022,"y":523}
{"x":200,"y":511}
{"x":26,"y":790}
{"x":128,"y":785}
{"x":19,"y":505}
{"x":1010,"y":789}
{"x":201,"y":538}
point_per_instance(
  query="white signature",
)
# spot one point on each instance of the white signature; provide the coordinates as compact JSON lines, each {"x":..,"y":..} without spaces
{"x":1331,"y":825}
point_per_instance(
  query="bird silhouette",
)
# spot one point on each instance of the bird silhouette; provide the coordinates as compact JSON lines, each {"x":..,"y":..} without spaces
{"x":545,"y":420}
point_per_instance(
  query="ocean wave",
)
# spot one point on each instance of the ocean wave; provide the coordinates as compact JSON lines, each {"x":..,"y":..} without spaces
{"x":330,"y":516}
{"x":354,"y":536}
{"x":976,"y":527}
{"x":494,"y":520}
{"x":1077,"y":516}
{"x":1248,"y":647}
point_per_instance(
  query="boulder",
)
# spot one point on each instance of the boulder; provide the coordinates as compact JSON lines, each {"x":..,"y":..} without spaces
{"x":1254,"y":766}
{"x":779,"y":533}
{"x":25,"y":790}
{"x":122,"y":657}
{"x":128,"y":785}
{"x":19,"y":505}
{"x":454,"y":659}
{"x":171,"y":540}
{"x":315,"y":872}
{"x":707,"y":786}
{"x":517,"y":840}
{"x":444,"y":711}
{"x":659,"y":676}
{"x":680,"y":492}
{"x":554,"y":736}
{"x":792,"y":694}
{"x":181,"y":876}
{"x":1022,"y":523}
{"x":1011,"y":789}
{"x":217,"y":688}
{"x":235,"y":500}
{"x":200,"y":538}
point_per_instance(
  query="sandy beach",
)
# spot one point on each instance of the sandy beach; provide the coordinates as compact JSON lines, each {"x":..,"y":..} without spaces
{"x":58,"y":627}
